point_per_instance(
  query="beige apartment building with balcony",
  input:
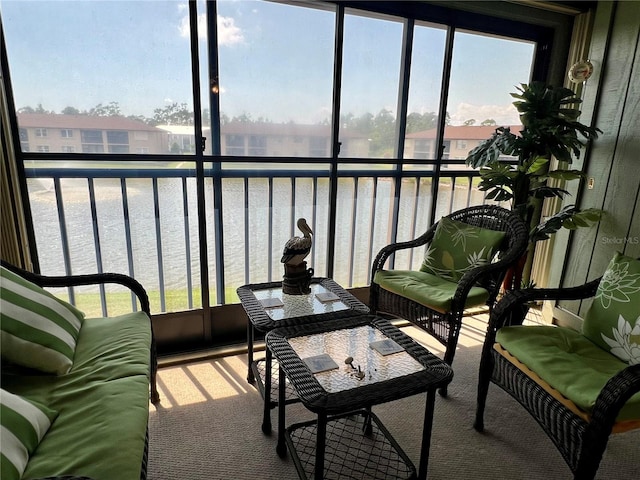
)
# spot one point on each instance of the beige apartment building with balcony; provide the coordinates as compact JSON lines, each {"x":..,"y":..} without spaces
{"x":264,"y":139}
{"x":458,"y":141}
{"x":55,"y":133}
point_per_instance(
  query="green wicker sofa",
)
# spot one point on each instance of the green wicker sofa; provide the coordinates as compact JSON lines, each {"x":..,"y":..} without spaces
{"x":98,"y":410}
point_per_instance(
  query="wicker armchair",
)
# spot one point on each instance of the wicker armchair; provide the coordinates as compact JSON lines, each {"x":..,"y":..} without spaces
{"x":581,"y":437}
{"x":445,"y":325}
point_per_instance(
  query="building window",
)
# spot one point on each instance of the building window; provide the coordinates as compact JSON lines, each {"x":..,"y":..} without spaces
{"x":142,"y":150}
{"x":118,"y":148}
{"x":118,"y":141}
{"x":68,"y":149}
{"x":423,"y":149}
{"x":120,"y":137}
{"x":257,"y":145}
{"x":42,"y":148}
{"x":91,"y":136}
{"x":91,"y":141}
{"x":461,"y":144}
{"x":24,"y":135}
{"x":24,"y":146}
{"x":66,"y":133}
{"x":87,"y":148}
{"x":41,"y":132}
{"x":235,"y":145}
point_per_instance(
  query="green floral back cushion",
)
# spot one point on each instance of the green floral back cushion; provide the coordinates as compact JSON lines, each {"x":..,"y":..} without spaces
{"x":458,"y":247}
{"x":613,"y":320}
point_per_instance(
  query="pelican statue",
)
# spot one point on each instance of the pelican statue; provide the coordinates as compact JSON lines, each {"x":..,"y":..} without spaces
{"x":297,"y":248}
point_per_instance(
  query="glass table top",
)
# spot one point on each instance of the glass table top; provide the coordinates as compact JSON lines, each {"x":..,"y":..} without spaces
{"x":355,"y":343}
{"x":280,"y":306}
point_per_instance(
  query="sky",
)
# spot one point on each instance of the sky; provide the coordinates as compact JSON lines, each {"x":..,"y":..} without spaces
{"x":275,"y":61}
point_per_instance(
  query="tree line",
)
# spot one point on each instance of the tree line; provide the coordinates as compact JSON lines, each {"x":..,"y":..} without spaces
{"x":180,"y":114}
{"x":380,"y":129}
{"x":172,"y":114}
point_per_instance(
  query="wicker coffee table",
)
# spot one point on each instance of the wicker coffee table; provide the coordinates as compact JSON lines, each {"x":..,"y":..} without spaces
{"x":289,"y":310}
{"x":347,"y":440}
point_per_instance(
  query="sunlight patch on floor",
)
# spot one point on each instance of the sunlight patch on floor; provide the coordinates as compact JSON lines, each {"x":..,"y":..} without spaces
{"x":202,"y":381}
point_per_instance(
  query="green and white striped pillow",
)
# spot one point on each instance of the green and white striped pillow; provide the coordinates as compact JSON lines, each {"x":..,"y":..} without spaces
{"x":37,"y":330}
{"x":23,"y":423}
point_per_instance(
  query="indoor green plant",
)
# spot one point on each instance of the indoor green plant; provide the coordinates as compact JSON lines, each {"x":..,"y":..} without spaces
{"x":550,"y":130}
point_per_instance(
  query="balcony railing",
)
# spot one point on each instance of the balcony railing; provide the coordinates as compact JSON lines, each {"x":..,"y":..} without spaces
{"x":145,"y":222}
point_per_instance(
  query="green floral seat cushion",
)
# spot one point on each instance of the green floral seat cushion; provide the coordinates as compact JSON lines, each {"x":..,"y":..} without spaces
{"x":458,"y":247}
{"x":613,"y":320}
{"x":569,"y":362}
{"x":427,"y":289}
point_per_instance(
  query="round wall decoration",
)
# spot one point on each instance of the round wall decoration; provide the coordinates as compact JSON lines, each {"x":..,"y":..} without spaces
{"x":580,"y":71}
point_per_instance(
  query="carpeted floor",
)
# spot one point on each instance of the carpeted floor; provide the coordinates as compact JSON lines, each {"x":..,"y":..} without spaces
{"x":207,"y":427}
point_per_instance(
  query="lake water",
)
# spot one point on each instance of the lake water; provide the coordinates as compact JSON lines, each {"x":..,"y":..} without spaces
{"x":166,"y":239}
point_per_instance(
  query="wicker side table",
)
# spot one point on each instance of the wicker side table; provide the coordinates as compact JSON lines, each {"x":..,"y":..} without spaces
{"x":290,"y":310}
{"x":349,"y":440}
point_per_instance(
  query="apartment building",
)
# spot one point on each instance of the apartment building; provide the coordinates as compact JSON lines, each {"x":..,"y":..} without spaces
{"x":54,"y":133}
{"x":458,"y":141}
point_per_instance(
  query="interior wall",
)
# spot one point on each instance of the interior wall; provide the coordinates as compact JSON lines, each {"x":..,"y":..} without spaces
{"x":612,"y":102}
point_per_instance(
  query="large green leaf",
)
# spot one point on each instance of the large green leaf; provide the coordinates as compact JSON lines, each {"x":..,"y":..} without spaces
{"x":546,"y":191}
{"x":498,"y":181}
{"x":583,"y":218}
{"x":569,"y":217}
{"x":536,"y":165}
{"x":566,"y":175}
{"x":501,"y":142}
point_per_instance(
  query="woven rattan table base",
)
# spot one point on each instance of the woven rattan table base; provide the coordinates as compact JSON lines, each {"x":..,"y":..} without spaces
{"x":350,"y":453}
{"x":258,"y":368}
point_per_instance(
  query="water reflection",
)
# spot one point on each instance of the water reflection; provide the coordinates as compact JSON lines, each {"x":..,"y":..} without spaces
{"x":164,"y":241}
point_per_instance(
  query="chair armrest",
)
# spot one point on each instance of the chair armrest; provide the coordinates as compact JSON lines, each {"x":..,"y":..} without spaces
{"x":513,"y":307}
{"x":90,"y":279}
{"x":385,"y":252}
{"x":613,"y":396}
{"x":482,"y":274}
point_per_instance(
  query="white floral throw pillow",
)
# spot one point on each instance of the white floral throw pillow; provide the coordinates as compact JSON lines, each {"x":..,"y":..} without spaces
{"x":613,"y":320}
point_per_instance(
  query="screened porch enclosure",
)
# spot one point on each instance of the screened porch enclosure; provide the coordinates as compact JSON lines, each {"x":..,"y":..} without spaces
{"x":181,"y":141}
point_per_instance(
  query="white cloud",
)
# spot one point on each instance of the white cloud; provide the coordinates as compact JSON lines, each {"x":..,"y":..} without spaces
{"x":502,"y":114}
{"x":202,"y":26}
{"x":228,"y":32}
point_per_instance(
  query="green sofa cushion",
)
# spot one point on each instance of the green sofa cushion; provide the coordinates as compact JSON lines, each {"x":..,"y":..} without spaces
{"x":37,"y":330}
{"x":103,"y":402}
{"x":613,"y":320}
{"x":23,"y":424}
{"x":427,"y":289}
{"x":457,"y":247}
{"x":569,"y":362}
